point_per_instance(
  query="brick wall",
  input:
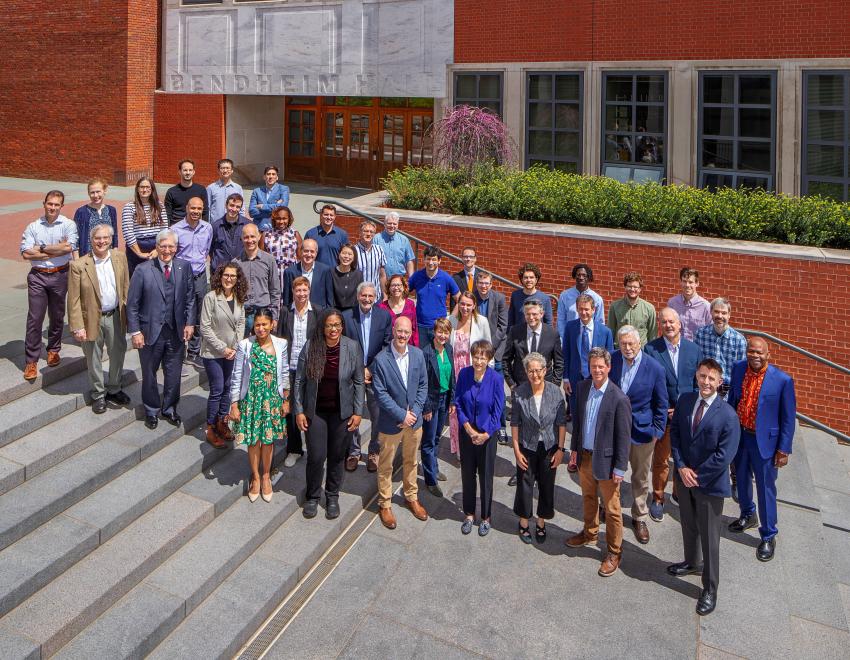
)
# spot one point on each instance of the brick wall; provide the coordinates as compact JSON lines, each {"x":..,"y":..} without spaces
{"x":72,"y":71}
{"x":794,"y":299}
{"x":188,"y":126}
{"x":600,"y":30}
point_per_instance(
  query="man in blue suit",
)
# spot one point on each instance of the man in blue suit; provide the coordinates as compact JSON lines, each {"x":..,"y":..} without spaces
{"x":580,"y":335}
{"x":764,"y":398}
{"x":321,"y":279}
{"x":704,"y":436}
{"x":371,"y":327}
{"x":161,"y":316}
{"x":680,"y":359}
{"x":642,"y":379}
{"x":400,"y":381}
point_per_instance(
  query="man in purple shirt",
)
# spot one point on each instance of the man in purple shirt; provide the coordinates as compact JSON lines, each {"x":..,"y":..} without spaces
{"x":694,"y":310}
{"x":194,"y":238}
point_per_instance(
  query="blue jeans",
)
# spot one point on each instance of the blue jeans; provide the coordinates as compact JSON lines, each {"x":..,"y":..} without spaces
{"x":426,"y":335}
{"x":432,"y":429}
{"x":219,"y":372}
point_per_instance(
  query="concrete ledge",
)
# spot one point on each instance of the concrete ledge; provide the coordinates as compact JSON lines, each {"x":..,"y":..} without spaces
{"x":373,"y":204}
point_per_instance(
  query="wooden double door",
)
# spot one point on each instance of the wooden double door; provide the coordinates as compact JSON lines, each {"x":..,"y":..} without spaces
{"x":357,"y":146}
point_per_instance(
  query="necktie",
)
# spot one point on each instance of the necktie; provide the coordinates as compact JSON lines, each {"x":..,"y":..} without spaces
{"x":533,"y":342}
{"x":167,"y":273}
{"x":469,"y":282}
{"x":585,"y":351}
{"x":698,"y":416}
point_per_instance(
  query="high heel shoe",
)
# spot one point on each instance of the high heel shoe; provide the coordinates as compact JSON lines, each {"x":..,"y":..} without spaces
{"x":252,"y":497}
{"x":267,"y":498}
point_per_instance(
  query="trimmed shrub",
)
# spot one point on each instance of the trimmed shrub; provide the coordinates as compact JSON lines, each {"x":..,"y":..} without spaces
{"x":545,"y":195}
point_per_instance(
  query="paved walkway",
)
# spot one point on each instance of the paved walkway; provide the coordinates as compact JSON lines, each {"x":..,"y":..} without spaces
{"x":424,"y":590}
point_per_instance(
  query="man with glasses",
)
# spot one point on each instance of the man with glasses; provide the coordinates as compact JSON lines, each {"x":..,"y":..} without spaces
{"x":465,"y":278}
{"x":633,"y":310}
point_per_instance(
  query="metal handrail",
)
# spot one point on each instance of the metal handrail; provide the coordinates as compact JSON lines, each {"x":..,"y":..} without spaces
{"x":318,"y":203}
{"x":843,"y":437}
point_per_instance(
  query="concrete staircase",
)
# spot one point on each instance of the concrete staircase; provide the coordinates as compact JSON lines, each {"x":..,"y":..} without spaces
{"x":117,"y":541}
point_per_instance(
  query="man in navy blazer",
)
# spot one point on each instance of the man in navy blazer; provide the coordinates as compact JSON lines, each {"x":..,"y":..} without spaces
{"x":764,"y":398}
{"x":704,"y":436}
{"x":319,"y":274}
{"x":400,"y":381}
{"x":599,"y":444}
{"x":642,"y":379}
{"x":161,"y":316}
{"x":371,"y":327}
{"x":680,"y":359}
{"x":580,"y":335}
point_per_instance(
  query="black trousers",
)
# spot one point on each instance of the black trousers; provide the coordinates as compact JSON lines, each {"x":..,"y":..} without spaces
{"x":539,"y":470}
{"x":327,"y":440}
{"x":167,"y":352}
{"x":193,"y":346}
{"x":294,"y":444}
{"x":701,"y":518}
{"x":477,"y":465}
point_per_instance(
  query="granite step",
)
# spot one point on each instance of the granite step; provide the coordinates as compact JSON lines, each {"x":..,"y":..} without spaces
{"x":54,"y":615}
{"x":47,"y":551}
{"x":12,"y":383}
{"x":53,"y":402}
{"x":43,"y":448}
{"x":220,"y":625}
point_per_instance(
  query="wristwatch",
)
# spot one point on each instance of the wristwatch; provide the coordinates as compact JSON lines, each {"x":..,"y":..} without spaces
{"x":41,"y":246}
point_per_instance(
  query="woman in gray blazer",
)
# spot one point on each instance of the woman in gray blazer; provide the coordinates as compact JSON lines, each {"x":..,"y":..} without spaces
{"x":328,"y":400}
{"x":222,"y":326}
{"x":538,"y":427}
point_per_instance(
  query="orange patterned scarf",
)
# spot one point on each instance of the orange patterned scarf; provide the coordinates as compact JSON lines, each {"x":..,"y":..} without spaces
{"x":748,"y":405}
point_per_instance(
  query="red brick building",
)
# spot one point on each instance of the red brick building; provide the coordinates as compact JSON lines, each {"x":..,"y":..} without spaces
{"x":709,"y":94}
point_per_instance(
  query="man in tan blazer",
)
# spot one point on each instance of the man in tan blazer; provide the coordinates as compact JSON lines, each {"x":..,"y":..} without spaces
{"x":97,"y":313}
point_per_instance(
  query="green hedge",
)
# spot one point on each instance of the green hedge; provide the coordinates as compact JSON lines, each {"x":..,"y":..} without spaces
{"x":550,"y":196}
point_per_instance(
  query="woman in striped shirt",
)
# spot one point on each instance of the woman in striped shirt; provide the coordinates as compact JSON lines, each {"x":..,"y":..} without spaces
{"x":141,"y":220}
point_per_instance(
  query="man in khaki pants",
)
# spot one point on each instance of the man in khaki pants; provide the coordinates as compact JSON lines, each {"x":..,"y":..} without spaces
{"x":400,"y":383}
{"x":97,"y":314}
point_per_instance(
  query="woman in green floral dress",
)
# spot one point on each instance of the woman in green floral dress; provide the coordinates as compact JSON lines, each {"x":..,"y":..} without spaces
{"x":260,"y":395}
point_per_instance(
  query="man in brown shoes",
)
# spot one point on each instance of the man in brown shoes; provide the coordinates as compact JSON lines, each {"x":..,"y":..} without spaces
{"x":600,"y":446}
{"x":400,"y":382}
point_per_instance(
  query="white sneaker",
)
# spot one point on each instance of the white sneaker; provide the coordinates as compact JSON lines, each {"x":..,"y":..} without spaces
{"x":290,"y":460}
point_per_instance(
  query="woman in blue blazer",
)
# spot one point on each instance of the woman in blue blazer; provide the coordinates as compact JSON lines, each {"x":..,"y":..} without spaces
{"x":479,"y":399}
{"x":439,"y":363}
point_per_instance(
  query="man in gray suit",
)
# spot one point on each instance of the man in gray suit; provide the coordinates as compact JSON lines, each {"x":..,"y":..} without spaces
{"x":600,"y":445}
{"x":161,"y":316}
{"x":493,"y":306}
{"x":400,"y":382}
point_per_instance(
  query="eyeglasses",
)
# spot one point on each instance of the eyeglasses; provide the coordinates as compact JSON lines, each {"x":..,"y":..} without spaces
{"x":535,"y":372}
{"x":333,"y":326}
{"x":228,"y":275}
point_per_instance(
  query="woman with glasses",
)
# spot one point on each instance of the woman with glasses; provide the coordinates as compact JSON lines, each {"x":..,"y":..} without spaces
{"x":222,"y":326}
{"x":141,"y":220}
{"x":260,"y":395}
{"x":399,"y":304}
{"x":328,"y":400}
{"x":538,"y":428}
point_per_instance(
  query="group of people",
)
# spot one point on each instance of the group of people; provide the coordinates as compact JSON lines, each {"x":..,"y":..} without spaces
{"x":302,"y":337}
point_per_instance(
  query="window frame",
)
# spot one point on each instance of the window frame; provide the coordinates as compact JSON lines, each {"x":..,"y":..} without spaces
{"x":736,"y":138}
{"x":553,"y":102}
{"x":634,"y":104}
{"x":806,"y":179}
{"x":477,"y":100}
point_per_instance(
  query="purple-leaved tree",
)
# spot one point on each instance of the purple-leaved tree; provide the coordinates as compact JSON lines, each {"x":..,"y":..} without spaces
{"x":468,"y":136}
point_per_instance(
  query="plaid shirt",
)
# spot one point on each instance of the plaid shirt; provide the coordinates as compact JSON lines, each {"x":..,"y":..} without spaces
{"x":727,"y":349}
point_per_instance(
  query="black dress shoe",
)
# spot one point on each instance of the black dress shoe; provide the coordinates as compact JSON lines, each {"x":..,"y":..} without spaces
{"x":707,"y":602}
{"x":120,"y":398}
{"x":151,"y":422}
{"x":173,"y":419}
{"x":332,"y":508}
{"x":766,"y":549}
{"x":744,"y":523}
{"x":684,"y":568}
{"x":98,"y":406}
{"x":512,"y":481}
{"x":311,"y":507}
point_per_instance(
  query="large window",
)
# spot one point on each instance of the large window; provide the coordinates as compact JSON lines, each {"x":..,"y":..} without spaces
{"x":634,"y":116}
{"x":737,"y":129}
{"x":826,"y":137}
{"x":483,"y":90}
{"x":553,"y":120}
